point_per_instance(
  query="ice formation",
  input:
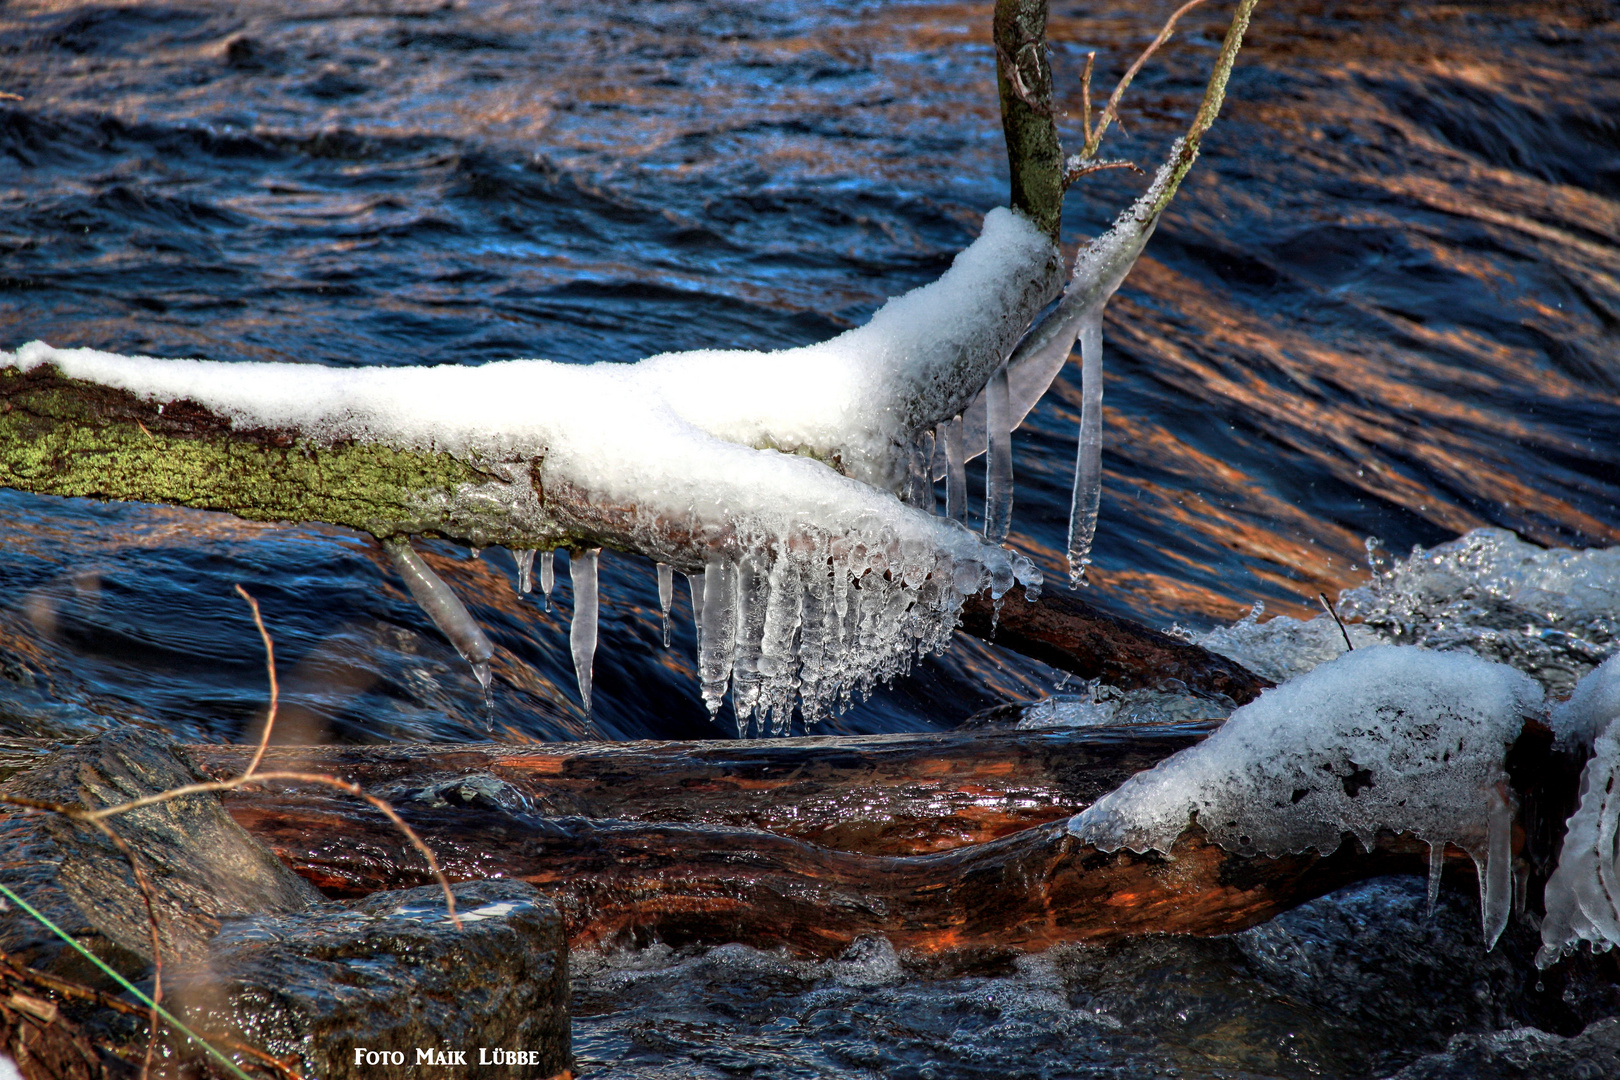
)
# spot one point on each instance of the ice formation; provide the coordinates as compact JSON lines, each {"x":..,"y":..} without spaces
{"x":1283,"y":647}
{"x":666,"y":595}
{"x":1391,"y":737}
{"x":1553,"y":613}
{"x":548,"y":575}
{"x":525,"y":569}
{"x":582,"y":569}
{"x":1583,"y":894}
{"x":444,"y":608}
{"x":798,"y":482}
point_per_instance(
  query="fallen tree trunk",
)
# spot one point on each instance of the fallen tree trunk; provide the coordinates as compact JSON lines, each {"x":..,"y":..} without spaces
{"x":1066,"y":632}
{"x":682,"y":884}
{"x":875,"y":795}
{"x":710,"y":882}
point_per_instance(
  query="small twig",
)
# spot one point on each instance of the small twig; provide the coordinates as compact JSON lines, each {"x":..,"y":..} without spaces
{"x":1085,"y":96}
{"x":275,"y":690}
{"x":1110,"y":113}
{"x":5,"y":96}
{"x":1074,"y":168}
{"x":1331,"y":610}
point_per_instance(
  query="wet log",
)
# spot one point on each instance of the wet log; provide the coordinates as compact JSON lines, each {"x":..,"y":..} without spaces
{"x":1068,"y":633}
{"x":617,"y":881}
{"x":875,"y":795}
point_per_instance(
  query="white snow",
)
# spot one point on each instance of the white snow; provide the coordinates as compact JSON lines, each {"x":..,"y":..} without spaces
{"x":687,"y":451}
{"x":1392,"y":737}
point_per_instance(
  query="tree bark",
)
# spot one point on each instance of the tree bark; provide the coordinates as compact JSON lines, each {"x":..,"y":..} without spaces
{"x":1068,"y":633}
{"x":707,"y":881}
{"x":873,"y":794}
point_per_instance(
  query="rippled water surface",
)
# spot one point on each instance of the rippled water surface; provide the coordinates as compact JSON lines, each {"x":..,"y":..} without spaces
{"x":1386,"y":303}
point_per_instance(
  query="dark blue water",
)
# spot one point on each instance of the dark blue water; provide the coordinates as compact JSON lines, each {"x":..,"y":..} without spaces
{"x":1386,"y":303}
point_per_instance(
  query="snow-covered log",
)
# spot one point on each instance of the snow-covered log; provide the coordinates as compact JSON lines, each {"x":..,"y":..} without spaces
{"x":798,"y":482}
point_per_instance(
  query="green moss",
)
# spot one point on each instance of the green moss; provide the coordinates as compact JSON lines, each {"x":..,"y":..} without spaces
{"x":63,"y":437}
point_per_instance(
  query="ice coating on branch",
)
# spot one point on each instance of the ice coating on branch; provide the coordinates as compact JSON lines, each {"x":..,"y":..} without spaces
{"x":582,"y":569}
{"x":1390,"y":737}
{"x":1583,"y":894}
{"x":444,"y":608}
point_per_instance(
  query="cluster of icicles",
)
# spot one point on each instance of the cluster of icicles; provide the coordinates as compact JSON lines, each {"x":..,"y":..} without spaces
{"x":813,"y":621}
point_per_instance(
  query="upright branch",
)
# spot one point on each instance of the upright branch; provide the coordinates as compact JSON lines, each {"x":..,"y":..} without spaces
{"x":1028,"y":120}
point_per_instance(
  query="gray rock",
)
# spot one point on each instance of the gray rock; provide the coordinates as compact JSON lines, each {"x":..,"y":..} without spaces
{"x":202,"y":866}
{"x":391,"y":976}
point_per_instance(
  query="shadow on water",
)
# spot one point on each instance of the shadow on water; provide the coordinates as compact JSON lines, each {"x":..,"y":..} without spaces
{"x":1385,"y":304}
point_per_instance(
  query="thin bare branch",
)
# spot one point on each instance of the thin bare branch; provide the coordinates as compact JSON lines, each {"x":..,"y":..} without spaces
{"x":1110,"y":113}
{"x":1085,"y":95}
{"x":275,"y":690}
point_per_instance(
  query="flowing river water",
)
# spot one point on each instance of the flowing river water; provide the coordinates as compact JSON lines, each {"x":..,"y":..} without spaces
{"x":1387,"y":303}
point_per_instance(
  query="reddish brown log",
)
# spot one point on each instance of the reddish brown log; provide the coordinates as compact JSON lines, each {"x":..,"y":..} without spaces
{"x":638,"y":882}
{"x":878,"y":795}
{"x":711,"y":883}
{"x":1070,"y":634}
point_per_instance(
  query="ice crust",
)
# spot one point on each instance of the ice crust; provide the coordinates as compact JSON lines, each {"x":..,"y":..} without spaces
{"x":1391,"y":737}
{"x":1583,"y":894}
{"x":1553,"y":613}
{"x":774,"y":473}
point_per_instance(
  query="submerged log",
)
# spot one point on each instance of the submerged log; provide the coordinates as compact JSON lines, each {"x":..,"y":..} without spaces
{"x":710,"y":882}
{"x":1068,"y":633}
{"x":637,"y":882}
{"x":874,"y":794}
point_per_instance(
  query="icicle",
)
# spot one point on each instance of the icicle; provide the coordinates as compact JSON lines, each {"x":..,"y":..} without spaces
{"x":666,"y":594}
{"x":950,"y":434}
{"x":1088,"y":458}
{"x":929,"y":501}
{"x":753,"y":597}
{"x":447,"y":612}
{"x":548,"y":574}
{"x":1028,"y":573}
{"x":717,"y":640}
{"x":1496,"y":875}
{"x":1437,"y":861}
{"x":582,"y":627}
{"x":525,"y":567}
{"x":694,"y":586}
{"x":998,"y":470}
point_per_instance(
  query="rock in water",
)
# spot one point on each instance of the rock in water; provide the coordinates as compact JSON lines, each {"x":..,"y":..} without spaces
{"x":202,"y":865}
{"x":363,"y":990}
{"x":250,"y":950}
